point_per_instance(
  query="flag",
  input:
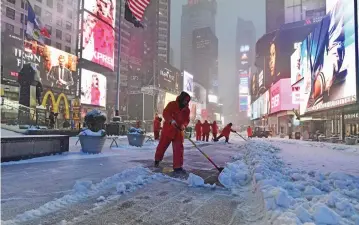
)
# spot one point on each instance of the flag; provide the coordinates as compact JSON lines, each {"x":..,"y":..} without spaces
{"x":134,"y":11}
{"x":35,"y":29}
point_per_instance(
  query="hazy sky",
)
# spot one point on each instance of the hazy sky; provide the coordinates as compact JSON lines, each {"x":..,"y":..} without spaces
{"x":226,"y":22}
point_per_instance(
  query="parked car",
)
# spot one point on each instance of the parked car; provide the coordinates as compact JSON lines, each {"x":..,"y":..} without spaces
{"x":261,"y":132}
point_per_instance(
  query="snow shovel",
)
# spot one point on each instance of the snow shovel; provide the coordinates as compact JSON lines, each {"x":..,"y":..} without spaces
{"x":241,"y":136}
{"x":204,"y":154}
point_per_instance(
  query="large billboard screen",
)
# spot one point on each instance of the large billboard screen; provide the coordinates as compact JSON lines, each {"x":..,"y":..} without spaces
{"x":188,"y":83}
{"x":57,"y":68}
{"x":329,"y":70}
{"x":98,"y":41}
{"x":243,"y":103}
{"x":93,"y":88}
{"x":281,"y":96}
{"x":103,"y":9}
{"x":168,"y":77}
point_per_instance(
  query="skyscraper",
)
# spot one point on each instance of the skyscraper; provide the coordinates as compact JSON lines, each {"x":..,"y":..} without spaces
{"x":196,"y":14}
{"x":205,"y":59}
{"x":245,"y":53}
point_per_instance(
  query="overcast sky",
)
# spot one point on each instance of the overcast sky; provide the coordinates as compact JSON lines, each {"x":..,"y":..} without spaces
{"x":226,"y":22}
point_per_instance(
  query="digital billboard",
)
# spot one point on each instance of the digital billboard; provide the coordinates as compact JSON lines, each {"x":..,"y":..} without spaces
{"x":168,"y":77}
{"x":188,"y":83}
{"x":281,"y":96}
{"x":296,"y":74}
{"x":93,"y":88}
{"x":199,"y":94}
{"x":243,"y":103}
{"x":329,"y":67}
{"x":103,"y":9}
{"x":98,"y":41}
{"x":57,"y":68}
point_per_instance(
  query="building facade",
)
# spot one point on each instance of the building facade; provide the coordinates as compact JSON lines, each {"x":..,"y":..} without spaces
{"x":195,"y":15}
{"x":245,"y":56}
{"x":279,"y":12}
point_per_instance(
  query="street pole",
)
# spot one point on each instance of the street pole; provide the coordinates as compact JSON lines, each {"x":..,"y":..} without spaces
{"x":117,"y":110}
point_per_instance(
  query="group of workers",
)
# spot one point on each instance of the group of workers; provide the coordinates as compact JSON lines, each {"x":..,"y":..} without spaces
{"x":204,"y":129}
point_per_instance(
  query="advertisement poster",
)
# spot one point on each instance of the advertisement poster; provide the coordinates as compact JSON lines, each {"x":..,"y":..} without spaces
{"x":296,"y":74}
{"x":188,"y":83}
{"x":57,"y":68}
{"x":103,"y":9}
{"x":330,"y":78}
{"x":168,"y":76}
{"x":199,"y":95}
{"x":281,"y":96}
{"x":98,"y":41}
{"x":93,"y":88}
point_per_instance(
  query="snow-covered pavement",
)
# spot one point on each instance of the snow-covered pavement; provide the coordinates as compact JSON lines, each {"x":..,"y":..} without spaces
{"x":273,"y":180}
{"x":324,"y":157}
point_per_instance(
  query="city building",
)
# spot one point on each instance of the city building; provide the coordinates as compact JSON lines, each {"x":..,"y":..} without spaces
{"x":205,"y":59}
{"x":195,"y":14}
{"x":279,"y":12}
{"x":59,"y":17}
{"x":205,"y":67}
{"x":245,"y":56}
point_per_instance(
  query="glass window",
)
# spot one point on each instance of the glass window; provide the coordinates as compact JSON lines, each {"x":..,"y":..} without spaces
{"x":50,"y":3}
{"x":60,"y":8}
{"x":23,"y":4}
{"x":68,"y":26}
{"x":11,"y":1}
{"x":58,"y":34}
{"x":22,"y":16}
{"x":37,"y":10}
{"x":67,"y":49}
{"x":68,"y":38}
{"x":10,"y":27}
{"x":58,"y":45}
{"x":59,"y":22}
{"x":10,"y":13}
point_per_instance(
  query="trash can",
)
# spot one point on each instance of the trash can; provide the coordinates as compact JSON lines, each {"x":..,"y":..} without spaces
{"x":136,"y":139}
{"x":297,"y":135}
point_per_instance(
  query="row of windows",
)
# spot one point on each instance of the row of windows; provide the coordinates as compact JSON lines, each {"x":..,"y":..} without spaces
{"x":49,"y":3}
{"x":10,"y":13}
{"x":11,"y":28}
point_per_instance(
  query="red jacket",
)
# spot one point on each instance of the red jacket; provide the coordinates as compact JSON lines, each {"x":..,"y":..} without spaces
{"x":249,"y":132}
{"x":206,"y":127}
{"x":156,"y":125}
{"x":173,"y":112}
{"x":226,"y":131}
{"x":214,"y":128}
{"x":198,"y":128}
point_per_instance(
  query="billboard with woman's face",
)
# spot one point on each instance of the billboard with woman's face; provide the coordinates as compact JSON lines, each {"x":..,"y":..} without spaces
{"x":98,"y":44}
{"x":330,"y":71}
{"x":93,"y":88}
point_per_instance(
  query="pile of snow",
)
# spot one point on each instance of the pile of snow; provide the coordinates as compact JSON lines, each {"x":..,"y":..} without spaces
{"x":196,"y":181}
{"x":88,"y":132}
{"x":126,"y":181}
{"x":134,"y":130}
{"x":294,"y":196}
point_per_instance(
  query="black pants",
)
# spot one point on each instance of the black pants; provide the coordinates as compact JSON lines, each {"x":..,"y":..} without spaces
{"x":220,"y":136}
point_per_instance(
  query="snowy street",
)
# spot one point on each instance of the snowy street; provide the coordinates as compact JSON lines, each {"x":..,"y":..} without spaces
{"x":275,"y":180}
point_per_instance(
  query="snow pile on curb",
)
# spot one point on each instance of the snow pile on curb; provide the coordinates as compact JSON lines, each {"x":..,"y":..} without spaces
{"x":126,"y":181}
{"x":293,"y":196}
